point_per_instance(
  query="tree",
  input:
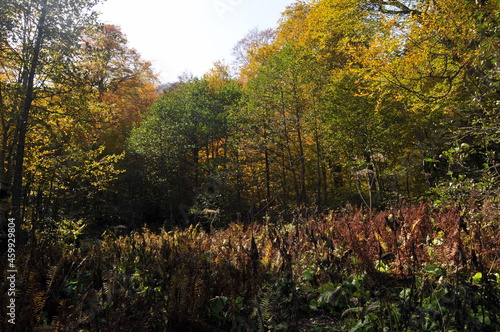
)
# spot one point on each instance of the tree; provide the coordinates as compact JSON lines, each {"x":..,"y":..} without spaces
{"x":37,"y":61}
{"x":126,"y":83}
{"x":183,"y":143}
{"x":315,"y":116}
{"x":443,"y":63}
{"x":280,"y":101}
{"x":251,"y":51}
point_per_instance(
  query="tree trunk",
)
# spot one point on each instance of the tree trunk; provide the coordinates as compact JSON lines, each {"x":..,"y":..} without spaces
{"x":28,"y":85}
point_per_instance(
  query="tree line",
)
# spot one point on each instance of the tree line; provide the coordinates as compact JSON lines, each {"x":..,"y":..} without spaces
{"x":365,"y":102}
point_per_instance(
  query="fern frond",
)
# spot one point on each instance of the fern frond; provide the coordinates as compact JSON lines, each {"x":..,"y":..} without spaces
{"x":264,"y":308}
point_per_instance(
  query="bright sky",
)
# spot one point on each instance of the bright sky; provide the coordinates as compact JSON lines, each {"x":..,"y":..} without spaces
{"x":189,"y":35}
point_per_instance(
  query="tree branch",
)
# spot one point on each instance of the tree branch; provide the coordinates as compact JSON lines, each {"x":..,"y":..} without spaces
{"x":400,"y":8}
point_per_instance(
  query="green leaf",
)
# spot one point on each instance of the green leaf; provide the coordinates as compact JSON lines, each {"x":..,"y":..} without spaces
{"x":433,"y":269}
{"x":405,"y":293}
{"x":308,"y":275}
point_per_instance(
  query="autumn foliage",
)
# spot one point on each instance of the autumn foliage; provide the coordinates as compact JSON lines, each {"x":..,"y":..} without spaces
{"x":342,"y":174}
{"x":408,"y":268}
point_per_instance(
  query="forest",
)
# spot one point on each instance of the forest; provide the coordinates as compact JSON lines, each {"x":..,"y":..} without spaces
{"x":340,"y":173}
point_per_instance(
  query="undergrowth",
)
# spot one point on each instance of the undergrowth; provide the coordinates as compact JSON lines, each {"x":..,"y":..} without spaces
{"x":411,"y":268}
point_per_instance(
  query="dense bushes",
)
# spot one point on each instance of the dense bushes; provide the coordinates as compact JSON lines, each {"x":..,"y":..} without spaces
{"x":412,"y":268}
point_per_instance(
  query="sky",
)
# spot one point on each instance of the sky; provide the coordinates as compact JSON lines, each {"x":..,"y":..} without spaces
{"x":188,"y":36}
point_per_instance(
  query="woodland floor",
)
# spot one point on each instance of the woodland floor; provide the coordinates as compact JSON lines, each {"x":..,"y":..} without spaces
{"x":411,"y":268}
